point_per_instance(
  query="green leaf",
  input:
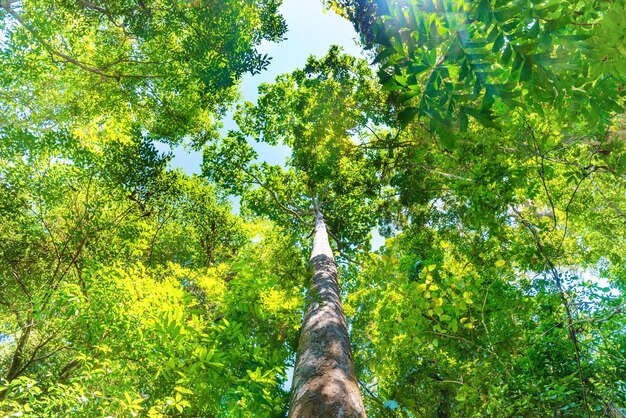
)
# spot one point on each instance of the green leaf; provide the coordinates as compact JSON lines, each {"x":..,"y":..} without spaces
{"x":498,"y":43}
{"x":183,"y":390}
{"x":407,"y":115}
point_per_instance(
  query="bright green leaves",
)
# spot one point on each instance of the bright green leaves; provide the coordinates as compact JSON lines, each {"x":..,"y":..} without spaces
{"x":464,"y":292}
{"x":128,"y":289}
{"x":608,"y":39}
{"x":314,"y":111}
{"x":167,"y":67}
{"x":225,"y":162}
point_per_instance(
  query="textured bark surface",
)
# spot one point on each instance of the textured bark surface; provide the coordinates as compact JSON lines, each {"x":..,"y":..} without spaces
{"x":324,"y":382}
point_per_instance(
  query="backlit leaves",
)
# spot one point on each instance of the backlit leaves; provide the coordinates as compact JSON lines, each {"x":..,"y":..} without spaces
{"x":450,"y":61}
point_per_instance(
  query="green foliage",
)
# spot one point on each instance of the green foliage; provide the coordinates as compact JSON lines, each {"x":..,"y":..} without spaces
{"x":503,"y":293}
{"x":467,"y":337}
{"x":320,"y":112}
{"x":131,"y":290}
{"x":451,"y":60}
{"x":166,"y":68}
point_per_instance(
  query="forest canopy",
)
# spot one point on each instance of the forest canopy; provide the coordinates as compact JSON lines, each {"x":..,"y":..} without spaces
{"x":483,"y":140}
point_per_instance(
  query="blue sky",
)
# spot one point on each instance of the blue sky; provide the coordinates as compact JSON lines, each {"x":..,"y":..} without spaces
{"x":311,"y":31}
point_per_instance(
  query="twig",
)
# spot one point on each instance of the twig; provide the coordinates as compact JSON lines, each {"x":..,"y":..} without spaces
{"x":570,"y":322}
{"x":611,"y":204}
{"x":273,"y":195}
{"x":340,"y":249}
{"x":66,"y":58}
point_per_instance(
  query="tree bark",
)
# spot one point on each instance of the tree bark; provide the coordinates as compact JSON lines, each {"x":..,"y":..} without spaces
{"x":324,"y":382}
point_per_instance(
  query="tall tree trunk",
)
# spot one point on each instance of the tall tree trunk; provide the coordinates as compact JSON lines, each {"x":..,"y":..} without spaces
{"x":324,"y":382}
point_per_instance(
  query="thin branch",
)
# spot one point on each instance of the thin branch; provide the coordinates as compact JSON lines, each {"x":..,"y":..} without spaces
{"x":92,"y":6}
{"x":66,"y":58}
{"x":611,"y":204}
{"x":19,"y":281}
{"x":374,"y":133}
{"x":541,"y":170}
{"x":571,"y":200}
{"x":340,"y":247}
{"x":598,"y":319}
{"x":156,"y":233}
{"x":273,"y":195}
{"x":371,"y":394}
{"x":545,"y":188}
{"x":571,"y":331}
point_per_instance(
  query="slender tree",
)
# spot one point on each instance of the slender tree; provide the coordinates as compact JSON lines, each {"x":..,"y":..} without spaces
{"x":319,"y":112}
{"x":324,"y":381}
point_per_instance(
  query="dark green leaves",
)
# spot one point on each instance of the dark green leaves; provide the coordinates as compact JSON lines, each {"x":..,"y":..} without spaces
{"x":444,"y":58}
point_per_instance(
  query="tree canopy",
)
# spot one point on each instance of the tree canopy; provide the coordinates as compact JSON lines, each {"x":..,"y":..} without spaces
{"x":166,"y":68}
{"x":483,"y":140}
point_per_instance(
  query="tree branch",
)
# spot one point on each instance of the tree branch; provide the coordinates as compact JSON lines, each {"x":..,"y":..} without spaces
{"x":67,"y":58}
{"x":273,"y":195}
{"x":340,"y":248}
{"x":611,"y":204}
{"x":571,"y":331}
